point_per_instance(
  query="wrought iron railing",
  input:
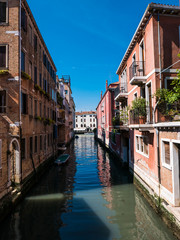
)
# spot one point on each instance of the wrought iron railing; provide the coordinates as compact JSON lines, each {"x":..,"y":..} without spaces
{"x":122,"y":88}
{"x":137,"y":116}
{"x":168,"y":112}
{"x":137,"y":69}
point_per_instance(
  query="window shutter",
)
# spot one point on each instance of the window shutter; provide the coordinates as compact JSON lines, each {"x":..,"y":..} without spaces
{"x":0,"y":153}
{"x":167,"y":152}
{"x":2,"y":56}
{"x":2,"y":12}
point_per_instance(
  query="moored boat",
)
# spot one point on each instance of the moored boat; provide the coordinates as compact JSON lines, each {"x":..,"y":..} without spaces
{"x":62,"y":159}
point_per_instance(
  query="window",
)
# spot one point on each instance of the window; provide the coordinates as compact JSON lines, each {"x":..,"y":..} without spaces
{"x":23,"y":20}
{"x":2,"y":101}
{"x":3,"y":56}
{"x":30,"y":106}
{"x":0,"y":153}
{"x":93,"y":125}
{"x":35,"y":107}
{"x":23,"y":148}
{"x":44,"y":111}
{"x":142,"y":145}
{"x":48,"y":140}
{"x":66,"y":91}
{"x":90,"y":125}
{"x":165,"y":154}
{"x":90,"y":115}
{"x":81,"y":119}
{"x":40,"y":109}
{"x":81,"y":125}
{"x":35,"y":144}
{"x":35,"y":75}
{"x":84,"y":120}
{"x":84,"y":125}
{"x":35,"y":43}
{"x":24,"y":103}
{"x":23,"y":61}
{"x":90,"y":119}
{"x":137,"y":143}
{"x":31,"y":147}
{"x":94,"y":120}
{"x":45,"y":85}
{"x":40,"y":80}
{"x":3,"y":11}
{"x":76,"y":125}
{"x":40,"y":143}
{"x":45,"y":142}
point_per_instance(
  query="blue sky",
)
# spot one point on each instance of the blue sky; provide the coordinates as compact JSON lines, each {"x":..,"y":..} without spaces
{"x":87,"y":40}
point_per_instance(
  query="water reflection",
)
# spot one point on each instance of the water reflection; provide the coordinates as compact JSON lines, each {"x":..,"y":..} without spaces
{"x":90,"y":198}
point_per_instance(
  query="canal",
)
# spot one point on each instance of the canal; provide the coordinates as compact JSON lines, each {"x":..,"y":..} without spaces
{"x":91,"y":197}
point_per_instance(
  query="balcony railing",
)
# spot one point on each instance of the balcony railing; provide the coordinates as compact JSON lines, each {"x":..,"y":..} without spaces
{"x":136,"y":116}
{"x":121,"y":91}
{"x":168,"y":112}
{"x":137,"y":73}
{"x":61,"y":121}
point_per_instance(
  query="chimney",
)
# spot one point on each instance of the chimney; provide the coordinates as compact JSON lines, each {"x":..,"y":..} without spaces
{"x":101,"y":94}
{"x":106,"y":84}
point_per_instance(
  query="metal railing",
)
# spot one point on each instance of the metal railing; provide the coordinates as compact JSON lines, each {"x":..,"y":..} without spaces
{"x":137,"y":69}
{"x":138,"y":117}
{"x":168,"y":112}
{"x":122,"y":88}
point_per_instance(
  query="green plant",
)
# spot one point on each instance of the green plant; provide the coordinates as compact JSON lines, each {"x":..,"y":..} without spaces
{"x":25,"y":75}
{"x":116,"y":120}
{"x":38,"y":118}
{"x":124,"y":115}
{"x":37,"y":87}
{"x":42,"y":91}
{"x":139,"y":107}
{"x":4,"y":72}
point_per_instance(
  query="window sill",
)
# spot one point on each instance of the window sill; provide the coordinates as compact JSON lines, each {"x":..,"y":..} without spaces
{"x":4,"y":24}
{"x":169,"y":167}
{"x":143,"y":154}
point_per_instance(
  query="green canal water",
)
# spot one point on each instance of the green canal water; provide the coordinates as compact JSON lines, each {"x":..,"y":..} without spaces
{"x":91,"y":197}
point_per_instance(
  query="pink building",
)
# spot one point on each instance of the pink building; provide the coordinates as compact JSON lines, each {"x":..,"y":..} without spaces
{"x":105,"y":113}
{"x":141,"y":128}
{"x":150,"y":63}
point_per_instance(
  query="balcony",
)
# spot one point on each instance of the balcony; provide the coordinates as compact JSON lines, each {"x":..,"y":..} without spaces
{"x":61,"y":121}
{"x":121,"y":119}
{"x":137,"y":73}
{"x":142,"y":120}
{"x":121,"y":93}
{"x":168,"y":115}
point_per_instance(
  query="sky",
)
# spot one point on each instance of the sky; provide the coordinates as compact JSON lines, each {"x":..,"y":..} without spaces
{"x":87,"y":40}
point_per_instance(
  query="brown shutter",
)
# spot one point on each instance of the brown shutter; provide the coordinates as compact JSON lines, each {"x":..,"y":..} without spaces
{"x":167,"y":152}
{"x":2,"y":56}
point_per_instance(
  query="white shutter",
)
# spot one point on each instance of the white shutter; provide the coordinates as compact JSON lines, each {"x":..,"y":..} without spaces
{"x":0,"y":153}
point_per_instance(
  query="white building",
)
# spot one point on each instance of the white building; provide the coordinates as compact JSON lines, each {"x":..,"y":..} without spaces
{"x":85,"y":121}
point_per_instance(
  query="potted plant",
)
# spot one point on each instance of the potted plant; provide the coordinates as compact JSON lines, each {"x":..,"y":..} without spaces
{"x":138,"y":109}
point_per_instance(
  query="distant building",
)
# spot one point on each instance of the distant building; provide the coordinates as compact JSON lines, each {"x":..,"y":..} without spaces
{"x":85,"y":121}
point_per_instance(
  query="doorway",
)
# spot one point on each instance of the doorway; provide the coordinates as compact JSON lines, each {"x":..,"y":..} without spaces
{"x":176,"y":172}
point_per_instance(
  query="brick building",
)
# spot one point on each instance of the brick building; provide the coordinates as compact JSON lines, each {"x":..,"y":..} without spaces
{"x":27,"y":95}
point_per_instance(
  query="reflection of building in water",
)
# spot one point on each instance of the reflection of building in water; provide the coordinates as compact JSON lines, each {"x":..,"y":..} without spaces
{"x":104,"y":167}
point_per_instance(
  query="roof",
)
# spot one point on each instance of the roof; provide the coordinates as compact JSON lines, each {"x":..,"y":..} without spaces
{"x":88,"y":112}
{"x":153,"y":8}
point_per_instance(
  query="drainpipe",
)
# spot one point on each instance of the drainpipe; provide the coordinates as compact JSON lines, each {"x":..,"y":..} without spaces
{"x":157,"y":131}
{"x":20,"y":129}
